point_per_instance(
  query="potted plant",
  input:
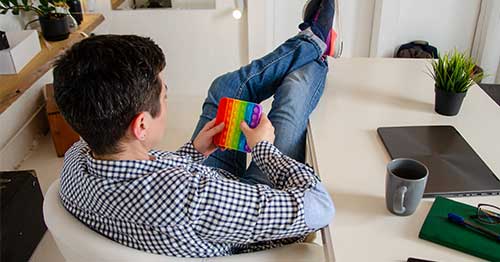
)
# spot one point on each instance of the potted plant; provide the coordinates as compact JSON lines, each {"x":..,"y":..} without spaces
{"x":453,"y":74}
{"x":51,"y":15}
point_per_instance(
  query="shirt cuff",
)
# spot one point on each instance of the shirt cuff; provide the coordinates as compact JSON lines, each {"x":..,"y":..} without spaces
{"x":262,"y":151}
{"x":282,"y":169}
{"x":319,"y":209}
{"x":188,"y":150}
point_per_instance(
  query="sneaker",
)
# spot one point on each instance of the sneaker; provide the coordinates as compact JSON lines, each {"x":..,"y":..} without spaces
{"x":335,"y":45}
{"x":309,"y":13}
{"x":319,"y":15}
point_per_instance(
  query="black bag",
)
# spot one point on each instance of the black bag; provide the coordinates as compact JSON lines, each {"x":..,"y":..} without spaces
{"x":22,"y":225}
{"x":4,"y":43}
{"x":417,"y":49}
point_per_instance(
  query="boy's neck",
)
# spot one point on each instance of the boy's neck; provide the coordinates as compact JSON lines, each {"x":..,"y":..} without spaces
{"x":129,"y":151}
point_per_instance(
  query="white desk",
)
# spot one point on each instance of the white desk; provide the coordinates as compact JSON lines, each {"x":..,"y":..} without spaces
{"x":361,"y":95}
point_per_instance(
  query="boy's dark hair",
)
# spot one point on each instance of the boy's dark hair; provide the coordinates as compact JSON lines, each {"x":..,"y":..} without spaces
{"x":103,"y":82}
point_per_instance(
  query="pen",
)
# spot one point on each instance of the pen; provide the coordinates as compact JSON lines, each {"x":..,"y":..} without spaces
{"x":461,"y":221}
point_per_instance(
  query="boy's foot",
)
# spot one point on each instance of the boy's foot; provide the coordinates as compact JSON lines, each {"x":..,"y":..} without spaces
{"x":309,"y":13}
{"x":319,"y":15}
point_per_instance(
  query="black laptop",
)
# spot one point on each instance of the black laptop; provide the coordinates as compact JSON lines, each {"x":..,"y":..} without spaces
{"x":454,"y":167}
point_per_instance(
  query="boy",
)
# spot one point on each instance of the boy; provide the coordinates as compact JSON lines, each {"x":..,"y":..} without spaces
{"x":197,"y":201}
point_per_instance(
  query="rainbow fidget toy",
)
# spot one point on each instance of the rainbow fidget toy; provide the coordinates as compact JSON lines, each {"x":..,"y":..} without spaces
{"x":232,"y":112}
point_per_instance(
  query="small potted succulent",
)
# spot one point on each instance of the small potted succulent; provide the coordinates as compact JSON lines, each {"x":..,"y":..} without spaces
{"x":453,"y":74}
{"x":52,"y":15}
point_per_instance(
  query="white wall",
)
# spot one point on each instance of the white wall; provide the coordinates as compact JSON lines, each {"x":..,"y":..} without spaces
{"x":445,"y":24}
{"x":260,"y":27}
{"x":182,"y":4}
{"x":199,"y":44}
{"x":287,"y":15}
{"x":24,"y":119}
{"x":22,"y":124}
{"x":194,"y":4}
{"x":497,"y":80}
{"x":487,"y":40}
{"x":10,"y":23}
{"x":356,"y":18}
{"x":376,"y":28}
{"x":355,"y":23}
{"x":471,"y":26}
{"x":22,"y":109}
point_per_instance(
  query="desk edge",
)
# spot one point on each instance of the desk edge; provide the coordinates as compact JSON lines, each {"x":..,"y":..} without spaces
{"x":325,"y":232}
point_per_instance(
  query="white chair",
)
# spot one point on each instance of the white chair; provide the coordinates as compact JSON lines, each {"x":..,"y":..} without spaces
{"x":77,"y":242}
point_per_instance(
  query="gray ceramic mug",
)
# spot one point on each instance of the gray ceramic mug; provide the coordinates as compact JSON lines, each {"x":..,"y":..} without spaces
{"x":404,"y":185}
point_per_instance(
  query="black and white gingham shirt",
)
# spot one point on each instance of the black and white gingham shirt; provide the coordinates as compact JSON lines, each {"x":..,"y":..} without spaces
{"x":176,"y":206}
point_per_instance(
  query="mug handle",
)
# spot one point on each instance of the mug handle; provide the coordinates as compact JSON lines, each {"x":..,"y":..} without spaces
{"x":399,"y":198}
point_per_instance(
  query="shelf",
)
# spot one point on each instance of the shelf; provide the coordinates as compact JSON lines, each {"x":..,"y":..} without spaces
{"x":13,"y":86}
{"x":116,"y":3}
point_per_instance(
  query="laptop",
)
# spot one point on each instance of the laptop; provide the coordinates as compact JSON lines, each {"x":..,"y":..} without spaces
{"x":454,"y":167}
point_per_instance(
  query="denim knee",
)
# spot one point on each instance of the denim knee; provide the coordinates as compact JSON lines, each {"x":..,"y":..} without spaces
{"x":223,"y":86}
{"x":215,"y":91}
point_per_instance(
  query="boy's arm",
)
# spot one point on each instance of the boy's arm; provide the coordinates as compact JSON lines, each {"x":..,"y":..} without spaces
{"x":227,"y":211}
{"x":203,"y":145}
{"x":282,"y":170}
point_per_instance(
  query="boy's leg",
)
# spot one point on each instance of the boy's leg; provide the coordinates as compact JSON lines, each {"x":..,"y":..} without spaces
{"x":256,"y":82}
{"x":294,"y":101}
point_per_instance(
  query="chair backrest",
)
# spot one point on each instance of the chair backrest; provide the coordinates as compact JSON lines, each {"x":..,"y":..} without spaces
{"x":77,"y":242}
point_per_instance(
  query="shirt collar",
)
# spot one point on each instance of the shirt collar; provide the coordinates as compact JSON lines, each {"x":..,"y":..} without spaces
{"x":125,"y":169}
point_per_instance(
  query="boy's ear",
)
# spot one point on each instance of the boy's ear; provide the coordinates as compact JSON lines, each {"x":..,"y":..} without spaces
{"x":139,"y":126}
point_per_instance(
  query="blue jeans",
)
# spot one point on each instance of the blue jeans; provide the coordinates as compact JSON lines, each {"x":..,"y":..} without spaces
{"x":295,"y":74}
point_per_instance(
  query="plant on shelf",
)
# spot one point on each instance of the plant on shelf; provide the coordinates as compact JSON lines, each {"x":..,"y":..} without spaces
{"x":52,"y":15}
{"x":453,"y":74}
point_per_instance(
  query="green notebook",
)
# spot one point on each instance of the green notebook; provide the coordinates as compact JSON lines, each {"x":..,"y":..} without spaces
{"x":437,"y":228}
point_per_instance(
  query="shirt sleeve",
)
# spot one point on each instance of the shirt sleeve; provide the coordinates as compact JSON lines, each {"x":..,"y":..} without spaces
{"x":282,"y":170}
{"x":188,"y":150}
{"x":232,"y":212}
{"x":228,"y":211}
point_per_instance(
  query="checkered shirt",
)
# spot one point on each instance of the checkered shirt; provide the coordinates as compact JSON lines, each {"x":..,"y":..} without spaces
{"x":176,"y":206}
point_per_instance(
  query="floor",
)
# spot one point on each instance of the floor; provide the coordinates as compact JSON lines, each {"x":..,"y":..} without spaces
{"x":183,"y":112}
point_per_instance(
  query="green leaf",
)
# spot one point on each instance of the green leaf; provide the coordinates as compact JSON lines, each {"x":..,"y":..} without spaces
{"x":45,"y":10}
{"x":15,"y":11}
{"x":454,"y":72}
{"x":5,"y":3}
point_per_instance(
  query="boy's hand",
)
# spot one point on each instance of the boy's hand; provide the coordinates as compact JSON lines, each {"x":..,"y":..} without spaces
{"x":204,"y":141}
{"x":263,"y":132}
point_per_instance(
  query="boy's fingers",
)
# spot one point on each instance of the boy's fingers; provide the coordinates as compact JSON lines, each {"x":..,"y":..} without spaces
{"x":264,"y":118}
{"x":244,"y":127}
{"x":209,"y":124}
{"x":216,"y":129}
